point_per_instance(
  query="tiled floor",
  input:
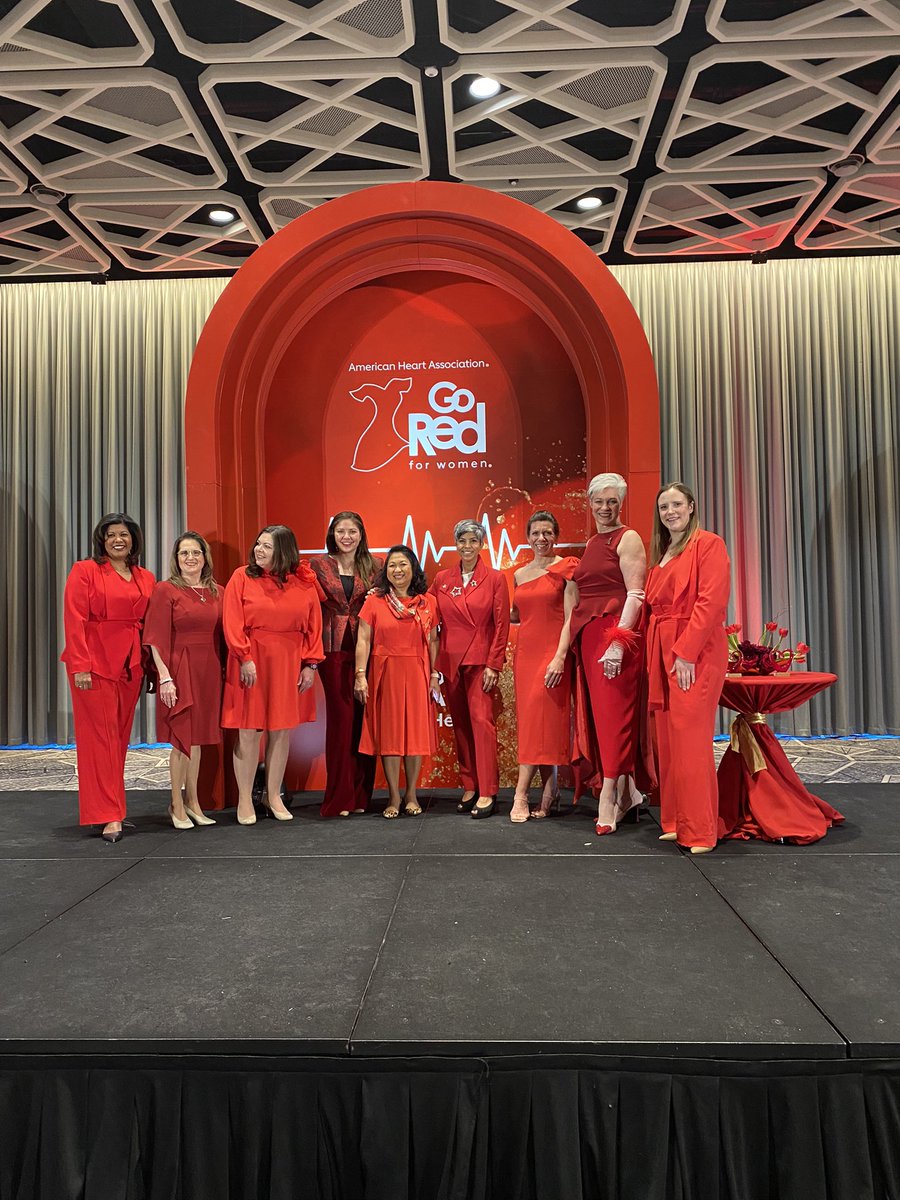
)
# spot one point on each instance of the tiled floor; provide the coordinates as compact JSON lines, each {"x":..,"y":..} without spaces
{"x":837,"y":760}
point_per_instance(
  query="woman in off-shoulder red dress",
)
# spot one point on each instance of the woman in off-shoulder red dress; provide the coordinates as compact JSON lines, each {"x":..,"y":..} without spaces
{"x":183,"y":629}
{"x":273,"y":628}
{"x":543,"y":599}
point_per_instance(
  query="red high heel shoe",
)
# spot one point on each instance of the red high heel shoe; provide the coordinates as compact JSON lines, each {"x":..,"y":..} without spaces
{"x":631,"y":815}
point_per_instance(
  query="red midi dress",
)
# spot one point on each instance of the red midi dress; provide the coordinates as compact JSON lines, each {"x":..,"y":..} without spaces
{"x":279,"y":628}
{"x":543,"y":715}
{"x":185,"y":626}
{"x":399,"y":716}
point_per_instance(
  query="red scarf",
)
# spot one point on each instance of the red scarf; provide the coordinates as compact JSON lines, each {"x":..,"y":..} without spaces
{"x":416,"y":608}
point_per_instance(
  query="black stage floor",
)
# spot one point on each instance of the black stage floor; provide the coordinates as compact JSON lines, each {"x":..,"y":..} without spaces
{"x":440,"y":935}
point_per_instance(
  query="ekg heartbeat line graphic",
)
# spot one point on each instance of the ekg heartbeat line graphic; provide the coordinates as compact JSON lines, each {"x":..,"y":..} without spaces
{"x":500,"y":548}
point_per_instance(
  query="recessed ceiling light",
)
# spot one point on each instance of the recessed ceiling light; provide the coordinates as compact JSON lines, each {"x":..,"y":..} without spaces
{"x":588,"y":202}
{"x":483,"y":87}
{"x":221,"y":216}
{"x":432,"y":72}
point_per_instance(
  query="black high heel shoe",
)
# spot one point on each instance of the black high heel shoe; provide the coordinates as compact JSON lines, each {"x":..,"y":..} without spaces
{"x":467,"y":805}
{"x":486,"y":810}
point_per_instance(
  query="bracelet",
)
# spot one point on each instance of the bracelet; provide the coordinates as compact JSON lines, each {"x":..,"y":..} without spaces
{"x":360,"y":672}
{"x":169,"y":680}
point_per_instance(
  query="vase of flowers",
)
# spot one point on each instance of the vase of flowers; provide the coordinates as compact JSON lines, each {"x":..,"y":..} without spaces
{"x":765,"y":657}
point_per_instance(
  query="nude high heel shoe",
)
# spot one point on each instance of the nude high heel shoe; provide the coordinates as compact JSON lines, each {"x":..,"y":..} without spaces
{"x":198,"y":816}
{"x":180,"y":822}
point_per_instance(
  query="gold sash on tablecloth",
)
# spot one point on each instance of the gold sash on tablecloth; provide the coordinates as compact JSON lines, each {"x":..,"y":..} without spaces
{"x":744,"y":743}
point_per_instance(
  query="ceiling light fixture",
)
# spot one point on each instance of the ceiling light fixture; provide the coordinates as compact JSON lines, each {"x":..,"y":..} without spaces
{"x":432,"y":72}
{"x":847,"y":166}
{"x":483,"y":87}
{"x":586,"y":203}
{"x":221,"y":216}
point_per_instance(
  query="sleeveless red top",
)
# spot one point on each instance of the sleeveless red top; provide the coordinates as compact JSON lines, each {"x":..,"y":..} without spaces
{"x":601,"y":588}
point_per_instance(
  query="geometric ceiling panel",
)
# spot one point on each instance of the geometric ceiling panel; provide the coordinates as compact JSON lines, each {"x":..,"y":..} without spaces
{"x":281,"y":205}
{"x":793,"y":103}
{"x":12,"y":179}
{"x":170,"y":231}
{"x":38,"y":241}
{"x":606,"y":195}
{"x":804,"y":19}
{"x":884,"y":147}
{"x":575,"y":115}
{"x":861,"y":213}
{"x":110,"y":129}
{"x":734,"y":213}
{"x":344,"y":122}
{"x":556,"y":24}
{"x":253,"y":31}
{"x":96,"y":33}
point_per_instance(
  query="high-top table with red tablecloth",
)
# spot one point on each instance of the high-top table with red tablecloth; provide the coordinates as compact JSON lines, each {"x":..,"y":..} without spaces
{"x":760,"y":794}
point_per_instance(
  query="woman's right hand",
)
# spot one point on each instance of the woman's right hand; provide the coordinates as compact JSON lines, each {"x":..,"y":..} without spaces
{"x":83,"y":681}
{"x":361,"y":688}
{"x":248,"y":673}
{"x":554,"y":672}
{"x":168,"y":694}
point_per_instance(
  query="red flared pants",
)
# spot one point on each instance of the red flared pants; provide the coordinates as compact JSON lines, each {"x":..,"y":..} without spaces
{"x":104,"y":714}
{"x":350,"y":775}
{"x":474,"y":729}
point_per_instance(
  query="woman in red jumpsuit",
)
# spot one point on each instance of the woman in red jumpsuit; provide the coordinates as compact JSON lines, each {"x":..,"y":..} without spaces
{"x":273,"y":629}
{"x":543,"y":599}
{"x":183,"y":629}
{"x":605,"y":634}
{"x":397,"y":642}
{"x":104,"y":604}
{"x":687,"y":657}
{"x":473,"y":605}
{"x":345,"y":576}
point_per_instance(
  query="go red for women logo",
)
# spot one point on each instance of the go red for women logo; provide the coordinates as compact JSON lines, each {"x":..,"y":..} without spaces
{"x":454,"y":424}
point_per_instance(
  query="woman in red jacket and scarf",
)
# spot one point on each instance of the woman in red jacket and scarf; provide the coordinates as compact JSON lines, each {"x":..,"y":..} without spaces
{"x":687,"y":657}
{"x":473,"y":605}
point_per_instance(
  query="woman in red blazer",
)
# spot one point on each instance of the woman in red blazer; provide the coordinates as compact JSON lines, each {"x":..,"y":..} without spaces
{"x":104,"y":604}
{"x":345,"y":576}
{"x":473,"y":605}
{"x":687,"y":656}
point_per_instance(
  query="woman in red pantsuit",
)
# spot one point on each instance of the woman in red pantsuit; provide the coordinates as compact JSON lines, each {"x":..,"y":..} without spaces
{"x":183,"y":629}
{"x":104,"y":604}
{"x":398,"y":637}
{"x":273,"y":630}
{"x":473,"y":605}
{"x":605,"y":635}
{"x":543,"y":600}
{"x":345,"y":576}
{"x":687,"y":657}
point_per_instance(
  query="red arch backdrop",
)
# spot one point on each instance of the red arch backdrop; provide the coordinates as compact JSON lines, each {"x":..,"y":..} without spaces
{"x":421,"y":353}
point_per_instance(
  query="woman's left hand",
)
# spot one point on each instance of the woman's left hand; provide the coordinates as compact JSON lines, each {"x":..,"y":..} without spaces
{"x":168,"y":693}
{"x":489,"y":679}
{"x":554,"y":672}
{"x":685,"y":674}
{"x":306,"y":680}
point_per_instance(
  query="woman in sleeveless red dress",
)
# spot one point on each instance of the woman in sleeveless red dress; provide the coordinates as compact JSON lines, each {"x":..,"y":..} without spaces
{"x":543,"y":600}
{"x":604,"y":631}
{"x":396,"y":649}
{"x":272,"y":618}
{"x":183,"y":629}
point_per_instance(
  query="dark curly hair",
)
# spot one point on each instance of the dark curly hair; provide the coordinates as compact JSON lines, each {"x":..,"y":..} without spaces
{"x":419,"y":584}
{"x":285,"y":555}
{"x":98,"y":537}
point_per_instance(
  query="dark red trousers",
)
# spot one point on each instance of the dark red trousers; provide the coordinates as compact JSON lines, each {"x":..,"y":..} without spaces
{"x":351,"y":775}
{"x":104,"y":714}
{"x":475,"y":730}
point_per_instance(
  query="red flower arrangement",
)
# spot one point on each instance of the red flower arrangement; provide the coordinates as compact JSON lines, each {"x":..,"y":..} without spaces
{"x":765,"y":657}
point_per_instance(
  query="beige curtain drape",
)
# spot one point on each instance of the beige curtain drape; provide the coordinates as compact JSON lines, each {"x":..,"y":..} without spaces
{"x":777,"y":387}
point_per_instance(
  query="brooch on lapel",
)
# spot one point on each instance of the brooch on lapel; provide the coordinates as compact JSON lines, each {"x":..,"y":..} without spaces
{"x":457,"y":591}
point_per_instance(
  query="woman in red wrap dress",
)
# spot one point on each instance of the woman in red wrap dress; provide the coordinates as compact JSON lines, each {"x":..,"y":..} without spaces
{"x":183,"y":629}
{"x":604,"y":632}
{"x":473,"y":605}
{"x":543,"y":600}
{"x":395,"y":677}
{"x":104,"y":604}
{"x":273,"y":629}
{"x":687,"y":657}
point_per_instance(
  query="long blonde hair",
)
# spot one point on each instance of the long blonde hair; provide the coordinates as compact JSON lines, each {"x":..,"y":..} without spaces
{"x":661,"y":538}
{"x":206,"y":575}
